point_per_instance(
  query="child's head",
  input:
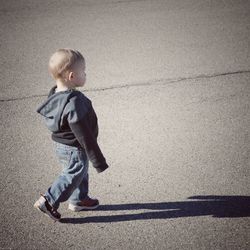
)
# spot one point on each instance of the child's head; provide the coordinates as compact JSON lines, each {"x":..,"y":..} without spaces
{"x":68,"y":66}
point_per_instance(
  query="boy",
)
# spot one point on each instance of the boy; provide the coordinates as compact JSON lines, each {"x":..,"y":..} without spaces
{"x":70,"y":117}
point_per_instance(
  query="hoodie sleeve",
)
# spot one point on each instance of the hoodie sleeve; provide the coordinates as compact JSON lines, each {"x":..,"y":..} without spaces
{"x":80,"y":126}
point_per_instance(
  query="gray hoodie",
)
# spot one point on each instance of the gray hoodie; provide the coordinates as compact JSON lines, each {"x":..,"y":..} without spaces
{"x":70,"y":117}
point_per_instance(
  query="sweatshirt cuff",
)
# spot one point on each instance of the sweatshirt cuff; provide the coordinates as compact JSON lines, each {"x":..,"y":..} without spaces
{"x":102,"y":167}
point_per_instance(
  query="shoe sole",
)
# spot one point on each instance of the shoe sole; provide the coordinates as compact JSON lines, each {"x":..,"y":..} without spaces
{"x":40,"y":207}
{"x":76,"y":208}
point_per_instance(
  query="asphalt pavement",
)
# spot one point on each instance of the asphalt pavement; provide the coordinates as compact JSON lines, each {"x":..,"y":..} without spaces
{"x":169,"y":81}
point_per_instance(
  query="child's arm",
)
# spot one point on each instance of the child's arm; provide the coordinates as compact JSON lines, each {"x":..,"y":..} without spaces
{"x":88,"y":141}
{"x":79,"y":111}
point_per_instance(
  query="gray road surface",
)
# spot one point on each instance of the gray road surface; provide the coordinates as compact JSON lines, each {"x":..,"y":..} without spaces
{"x":170,"y":84}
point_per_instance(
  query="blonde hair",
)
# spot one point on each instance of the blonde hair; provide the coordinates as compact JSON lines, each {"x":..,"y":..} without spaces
{"x":62,"y":61}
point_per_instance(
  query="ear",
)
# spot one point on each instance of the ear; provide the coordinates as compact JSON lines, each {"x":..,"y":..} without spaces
{"x":71,"y":75}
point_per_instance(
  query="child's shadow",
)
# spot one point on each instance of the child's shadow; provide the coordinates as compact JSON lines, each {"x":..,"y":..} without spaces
{"x":216,"y":206}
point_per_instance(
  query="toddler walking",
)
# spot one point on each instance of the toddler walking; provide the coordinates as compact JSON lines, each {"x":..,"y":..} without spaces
{"x":70,"y":117}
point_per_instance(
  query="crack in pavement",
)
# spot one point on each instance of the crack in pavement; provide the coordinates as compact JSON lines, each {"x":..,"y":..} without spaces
{"x":140,"y":84}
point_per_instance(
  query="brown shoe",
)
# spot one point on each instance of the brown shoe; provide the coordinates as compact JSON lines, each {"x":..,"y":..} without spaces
{"x":86,"y":204}
{"x":43,"y":205}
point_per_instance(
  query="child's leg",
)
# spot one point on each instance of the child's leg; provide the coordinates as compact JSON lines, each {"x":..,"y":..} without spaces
{"x":74,"y":170}
{"x":79,"y":200}
{"x":81,"y":192}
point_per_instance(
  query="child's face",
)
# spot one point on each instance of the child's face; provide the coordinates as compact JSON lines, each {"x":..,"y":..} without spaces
{"x":78,"y":75}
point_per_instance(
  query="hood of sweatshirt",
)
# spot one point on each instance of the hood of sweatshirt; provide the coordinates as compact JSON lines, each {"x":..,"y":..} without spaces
{"x":53,"y":108}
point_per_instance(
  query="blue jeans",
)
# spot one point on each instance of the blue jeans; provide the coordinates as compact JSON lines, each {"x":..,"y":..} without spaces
{"x":72,"y":184}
